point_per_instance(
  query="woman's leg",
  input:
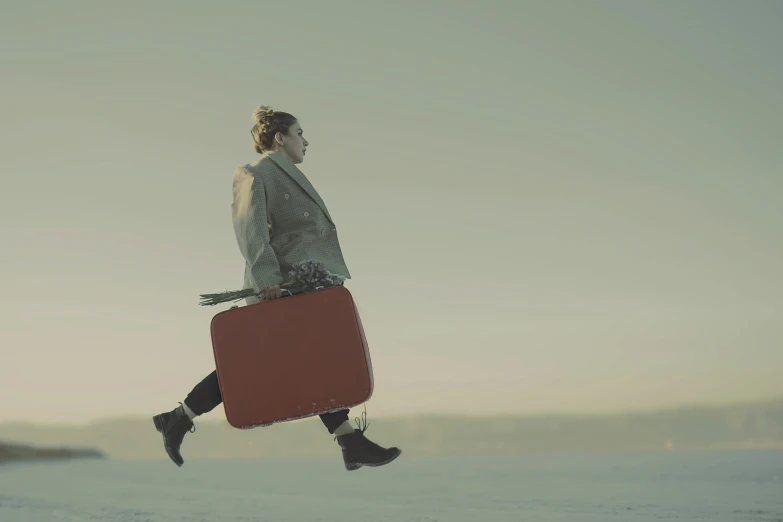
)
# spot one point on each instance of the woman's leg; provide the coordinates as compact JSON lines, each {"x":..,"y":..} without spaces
{"x":173,"y":425}
{"x":205,"y":396}
{"x":334,"y":420}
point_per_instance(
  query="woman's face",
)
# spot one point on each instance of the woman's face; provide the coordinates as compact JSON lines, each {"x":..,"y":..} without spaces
{"x":294,"y":143}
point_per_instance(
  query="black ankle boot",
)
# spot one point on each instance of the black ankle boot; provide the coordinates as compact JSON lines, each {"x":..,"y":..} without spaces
{"x":173,"y":426}
{"x":359,"y":451}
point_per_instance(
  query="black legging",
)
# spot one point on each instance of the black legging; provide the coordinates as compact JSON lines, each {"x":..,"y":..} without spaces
{"x":206,"y":396}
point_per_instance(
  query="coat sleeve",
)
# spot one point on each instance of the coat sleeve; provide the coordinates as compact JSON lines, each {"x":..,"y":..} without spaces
{"x":251,"y":226}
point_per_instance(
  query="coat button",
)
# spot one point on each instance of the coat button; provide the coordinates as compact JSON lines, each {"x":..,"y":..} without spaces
{"x":287,"y":196}
{"x":306,"y":214}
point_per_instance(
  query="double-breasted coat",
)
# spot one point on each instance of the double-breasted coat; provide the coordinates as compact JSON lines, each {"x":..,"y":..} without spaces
{"x":279,"y":219}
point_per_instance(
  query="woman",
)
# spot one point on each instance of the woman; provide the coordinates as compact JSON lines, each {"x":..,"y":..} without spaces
{"x":279,"y":219}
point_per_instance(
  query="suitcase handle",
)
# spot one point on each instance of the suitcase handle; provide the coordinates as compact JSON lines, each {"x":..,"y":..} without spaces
{"x":290,"y":293}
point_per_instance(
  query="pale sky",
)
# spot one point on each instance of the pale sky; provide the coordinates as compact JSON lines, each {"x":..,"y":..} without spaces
{"x":545,"y":206}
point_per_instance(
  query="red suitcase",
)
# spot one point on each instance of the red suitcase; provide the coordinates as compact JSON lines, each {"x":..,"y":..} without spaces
{"x":291,"y":358}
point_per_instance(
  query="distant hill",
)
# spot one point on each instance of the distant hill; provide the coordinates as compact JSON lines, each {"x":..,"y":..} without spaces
{"x":16,"y":453}
{"x":748,"y":425}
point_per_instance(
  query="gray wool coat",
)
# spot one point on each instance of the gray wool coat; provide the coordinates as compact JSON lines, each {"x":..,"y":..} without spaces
{"x":279,"y":219}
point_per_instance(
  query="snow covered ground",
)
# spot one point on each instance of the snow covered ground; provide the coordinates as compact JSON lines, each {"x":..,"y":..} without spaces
{"x":711,"y":486}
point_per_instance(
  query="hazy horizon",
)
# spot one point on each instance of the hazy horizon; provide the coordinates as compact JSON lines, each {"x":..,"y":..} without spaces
{"x":545,"y":207}
{"x":732,"y":427}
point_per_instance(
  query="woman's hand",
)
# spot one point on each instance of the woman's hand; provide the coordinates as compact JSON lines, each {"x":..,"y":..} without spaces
{"x":273,"y":292}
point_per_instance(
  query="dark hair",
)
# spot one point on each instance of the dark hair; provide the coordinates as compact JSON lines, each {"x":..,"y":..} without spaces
{"x":269,"y":123}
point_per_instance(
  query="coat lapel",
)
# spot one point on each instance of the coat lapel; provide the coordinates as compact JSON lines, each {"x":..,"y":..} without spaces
{"x":297,"y":175}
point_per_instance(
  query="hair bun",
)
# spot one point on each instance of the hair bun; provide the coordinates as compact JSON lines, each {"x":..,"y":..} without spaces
{"x":262,"y":113}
